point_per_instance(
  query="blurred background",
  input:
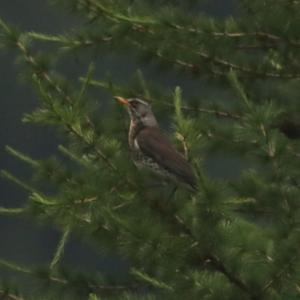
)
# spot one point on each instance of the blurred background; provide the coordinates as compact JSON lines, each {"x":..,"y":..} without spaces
{"x":29,"y":243}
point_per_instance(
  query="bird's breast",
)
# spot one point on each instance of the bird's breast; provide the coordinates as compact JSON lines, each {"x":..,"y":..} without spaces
{"x":134,"y":130}
{"x":136,"y":145}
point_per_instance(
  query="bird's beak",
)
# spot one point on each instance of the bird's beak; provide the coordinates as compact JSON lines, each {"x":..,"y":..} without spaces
{"x":122,"y":100}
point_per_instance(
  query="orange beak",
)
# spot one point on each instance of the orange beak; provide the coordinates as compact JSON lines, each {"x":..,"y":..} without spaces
{"x":122,"y":100}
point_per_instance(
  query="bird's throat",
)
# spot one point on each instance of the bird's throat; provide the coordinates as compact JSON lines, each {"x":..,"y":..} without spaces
{"x":134,"y":129}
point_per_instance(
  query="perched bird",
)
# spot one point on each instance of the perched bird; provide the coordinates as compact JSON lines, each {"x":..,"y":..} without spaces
{"x":151,"y":148}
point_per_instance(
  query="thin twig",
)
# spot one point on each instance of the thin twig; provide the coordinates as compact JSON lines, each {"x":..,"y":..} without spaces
{"x":257,"y":34}
{"x":218,"y":113}
{"x":278,"y":275}
{"x":218,"y":265}
{"x":9,"y":295}
{"x":86,"y":200}
{"x":11,"y":211}
{"x":67,"y":40}
{"x":59,"y":280}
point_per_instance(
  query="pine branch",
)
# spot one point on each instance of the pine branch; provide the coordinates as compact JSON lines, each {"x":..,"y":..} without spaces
{"x":89,"y":143}
{"x":69,"y":42}
{"x":279,"y":274}
{"x":86,"y":200}
{"x":233,"y":78}
{"x":11,"y":211}
{"x":121,"y":90}
{"x":63,"y":281}
{"x":217,"y":113}
{"x":269,"y":144}
{"x":237,"y":35}
{"x":45,"y":76}
{"x":235,"y":280}
{"x":9,"y":295}
{"x":60,"y":248}
{"x":15,"y":267}
{"x":17,"y":181}
{"x":179,"y":226}
{"x":99,"y":10}
{"x":150,"y":280}
{"x":196,"y":68}
{"x":36,"y":195}
{"x":247,"y":70}
{"x":22,"y":157}
{"x":72,"y":156}
{"x":143,"y":27}
{"x":143,"y":83}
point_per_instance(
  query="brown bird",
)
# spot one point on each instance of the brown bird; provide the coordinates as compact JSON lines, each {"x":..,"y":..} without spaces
{"x":151,"y":148}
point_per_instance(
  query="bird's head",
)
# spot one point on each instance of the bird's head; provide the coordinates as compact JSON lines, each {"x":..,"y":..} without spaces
{"x":139,"y":111}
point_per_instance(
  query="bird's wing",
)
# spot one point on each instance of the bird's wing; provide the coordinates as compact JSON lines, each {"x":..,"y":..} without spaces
{"x":153,"y":143}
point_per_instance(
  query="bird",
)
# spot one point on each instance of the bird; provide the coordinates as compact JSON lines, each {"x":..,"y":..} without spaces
{"x":151,"y":148}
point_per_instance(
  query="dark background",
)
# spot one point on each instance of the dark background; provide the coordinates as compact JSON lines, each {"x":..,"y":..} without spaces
{"x":21,"y":240}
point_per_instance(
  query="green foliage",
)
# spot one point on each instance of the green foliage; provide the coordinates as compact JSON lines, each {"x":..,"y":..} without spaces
{"x":234,"y":238}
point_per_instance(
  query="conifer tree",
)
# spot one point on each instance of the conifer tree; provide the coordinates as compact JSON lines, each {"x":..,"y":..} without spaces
{"x":236,"y":237}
